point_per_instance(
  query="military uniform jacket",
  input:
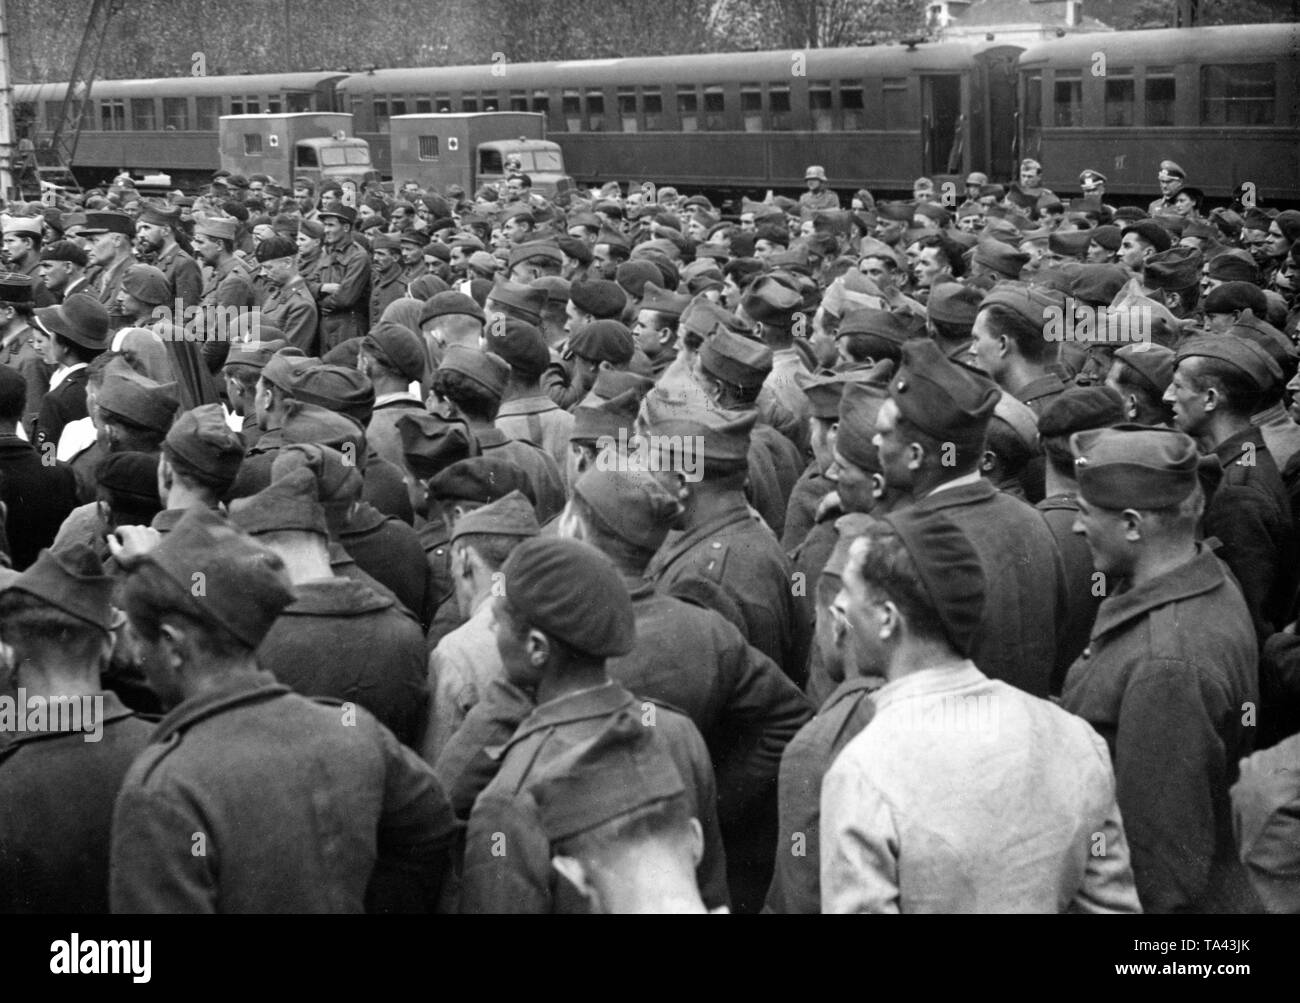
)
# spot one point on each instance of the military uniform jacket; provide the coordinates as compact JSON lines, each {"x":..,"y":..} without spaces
{"x":108,"y":285}
{"x":343,"y":314}
{"x":39,"y":497}
{"x":522,"y":880}
{"x":292,"y":810}
{"x":801,"y":509}
{"x":183,"y":275}
{"x":796,"y":883}
{"x":1168,"y":680}
{"x":1251,"y":515}
{"x":390,"y":551}
{"x":385,"y":287}
{"x":229,"y":287}
{"x":342,"y":640}
{"x":292,"y":309}
{"x":1083,"y":593}
{"x":40,"y":292}
{"x":819,"y":201}
{"x":1016,"y":640}
{"x":57,"y":791}
{"x":381,"y":433}
{"x":1266,"y":822}
{"x":542,"y":422}
{"x":737,"y":553}
{"x":543,"y":474}
{"x":19,"y":354}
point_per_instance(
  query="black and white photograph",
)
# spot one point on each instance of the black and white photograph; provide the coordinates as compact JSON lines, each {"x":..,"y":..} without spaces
{"x":726,"y":457}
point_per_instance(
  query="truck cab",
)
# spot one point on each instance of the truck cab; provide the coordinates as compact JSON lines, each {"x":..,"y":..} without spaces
{"x":540,"y":159}
{"x":334,"y":159}
{"x":315,"y":145}
{"x":472,"y":149}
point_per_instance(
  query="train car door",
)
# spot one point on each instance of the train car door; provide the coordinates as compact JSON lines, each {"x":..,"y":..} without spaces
{"x":1000,"y":111}
{"x":942,"y":126}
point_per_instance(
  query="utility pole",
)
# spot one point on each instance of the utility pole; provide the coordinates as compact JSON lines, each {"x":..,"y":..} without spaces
{"x":6,"y":110}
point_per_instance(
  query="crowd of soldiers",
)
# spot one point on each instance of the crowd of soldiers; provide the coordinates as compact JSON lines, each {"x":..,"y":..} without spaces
{"x":603,"y":551}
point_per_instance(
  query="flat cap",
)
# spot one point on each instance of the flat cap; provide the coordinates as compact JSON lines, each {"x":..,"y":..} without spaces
{"x":480,"y":479}
{"x":949,"y":568}
{"x":202,"y":439}
{"x":599,"y":297}
{"x":398,"y":348}
{"x":1006,"y":261}
{"x":510,"y":515}
{"x":341,"y":212}
{"x":289,"y":505}
{"x":736,"y":359}
{"x":386,"y":242}
{"x":623,"y":768}
{"x":108,"y":222}
{"x":520,"y":344}
{"x":245,"y":585}
{"x":595,"y":620}
{"x":1132,"y":466}
{"x":604,"y":341}
{"x":1242,"y":354}
{"x":941,"y":398}
{"x":487,"y":370}
{"x":72,"y":580}
{"x":1098,"y":285}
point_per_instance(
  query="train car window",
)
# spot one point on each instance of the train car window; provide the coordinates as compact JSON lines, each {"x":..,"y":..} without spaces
{"x":1067,"y":99}
{"x":1121,"y":97}
{"x":778,"y":101}
{"x":206,"y":113}
{"x":627,"y":110}
{"x":252,"y":106}
{"x":176,"y":114}
{"x":112,"y":116}
{"x":298,"y":102}
{"x":142,"y":115}
{"x":469,"y":102}
{"x":652,"y":102}
{"x":595,"y":111}
{"x":397,"y":106}
{"x":1238,"y":95}
{"x":571,"y":111}
{"x":380,"y":106}
{"x":252,"y":144}
{"x":274,"y":104}
{"x":423,"y":106}
{"x":852,"y":108}
{"x":491,"y":101}
{"x":893,"y":102}
{"x":751,"y":106}
{"x":715,"y":108}
{"x":428,"y":148}
{"x":688,"y":109}
{"x":518,"y":100}
{"x":542,"y":102}
{"x":442,"y":103}
{"x":820,"y":105}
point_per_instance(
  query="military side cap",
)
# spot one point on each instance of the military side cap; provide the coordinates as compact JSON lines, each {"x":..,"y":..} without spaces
{"x":15,"y":287}
{"x":769,"y":301}
{"x":1098,"y":285}
{"x":1175,"y":269}
{"x":342,"y":389}
{"x":289,"y":505}
{"x":450,"y":303}
{"x":131,"y":476}
{"x":556,"y":288}
{"x":1150,"y":231}
{"x":311,"y":228}
{"x":736,"y":359}
{"x":1069,"y":243}
{"x":631,"y":504}
{"x":662,"y":301}
{"x":386,"y":242}
{"x":537,"y":250}
{"x":520,"y":344}
{"x":954,"y":303}
{"x":284,"y":371}
{"x":202,"y":439}
{"x":944,"y":400}
{"x":80,"y":319}
{"x":612,"y":382}
{"x":72,"y":580}
{"x":519,"y":300}
{"x":480,"y":479}
{"x":604,"y":341}
{"x":1230,"y":297}
{"x":417,"y":238}
{"x":1132,"y":466}
{"x":599,"y":297}
{"x":702,"y":317}
{"x":487,"y":370}
{"x":108,"y":222}
{"x":860,"y":404}
{"x":595,"y":619}
{"x":398,"y":348}
{"x":312,"y":423}
{"x":337,"y":477}
{"x":431,"y":443}
{"x":139,"y":400}
{"x":1153,"y":363}
{"x":618,"y":771}
{"x":511,"y":515}
{"x":147,"y":284}
{"x":1234,"y":266}
{"x":1004,"y":260}
{"x":632,"y":276}
{"x":1266,"y":336}
{"x":613,"y":417}
{"x":245,"y":585}
{"x":23,"y":226}
{"x":880,"y":324}
{"x":949,"y":568}
{"x":721,"y":434}
{"x":215,"y":227}
{"x":158,"y":216}
{"x":1028,"y":302}
{"x":1240,"y":353}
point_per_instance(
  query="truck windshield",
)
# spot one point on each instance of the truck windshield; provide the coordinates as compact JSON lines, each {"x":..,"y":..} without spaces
{"x":336,"y":156}
{"x":542,"y":161}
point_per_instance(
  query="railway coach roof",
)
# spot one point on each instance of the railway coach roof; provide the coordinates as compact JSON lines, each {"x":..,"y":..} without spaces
{"x":1229,"y":43}
{"x":713,"y":68}
{"x":253,"y":83}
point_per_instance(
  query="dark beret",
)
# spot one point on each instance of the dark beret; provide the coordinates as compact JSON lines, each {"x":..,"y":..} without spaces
{"x":130,"y":477}
{"x":1153,"y":363}
{"x":1233,"y":296}
{"x":432,"y":443}
{"x":487,"y":370}
{"x":510,"y":515}
{"x":202,"y":439}
{"x":518,"y":300}
{"x":342,"y":389}
{"x":480,"y":479}
{"x":448,"y":304}
{"x":603,"y":341}
{"x":1234,"y":266}
{"x":954,"y":303}
{"x":398,"y":348}
{"x":1175,"y":269}
{"x":521,"y":344}
{"x":1108,"y":236}
{"x":1098,"y":285}
{"x":1152,"y":232}
{"x":859,"y":406}
{"x":599,"y":297}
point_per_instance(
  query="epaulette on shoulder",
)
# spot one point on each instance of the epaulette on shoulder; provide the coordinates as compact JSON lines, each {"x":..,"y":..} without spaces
{"x":154,"y":753}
